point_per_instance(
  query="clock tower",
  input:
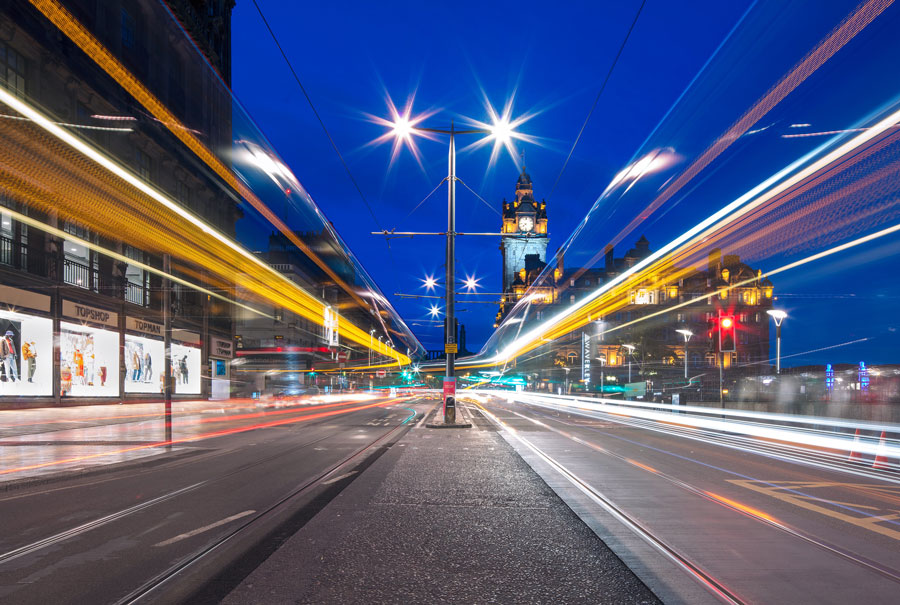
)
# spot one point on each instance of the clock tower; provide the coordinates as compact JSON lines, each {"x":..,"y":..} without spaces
{"x":524,"y":231}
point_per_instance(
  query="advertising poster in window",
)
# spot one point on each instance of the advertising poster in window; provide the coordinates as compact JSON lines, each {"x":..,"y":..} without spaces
{"x":26,"y":348}
{"x":89,"y":361}
{"x":144,"y":365}
{"x":186,"y":369}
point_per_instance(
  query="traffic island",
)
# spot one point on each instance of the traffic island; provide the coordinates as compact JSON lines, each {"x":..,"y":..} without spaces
{"x":463,"y":419}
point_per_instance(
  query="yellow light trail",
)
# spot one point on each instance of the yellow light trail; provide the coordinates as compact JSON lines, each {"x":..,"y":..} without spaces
{"x":95,"y":51}
{"x":151,"y":219}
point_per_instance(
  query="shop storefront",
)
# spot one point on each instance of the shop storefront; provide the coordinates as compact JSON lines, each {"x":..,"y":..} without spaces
{"x":26,"y":344}
{"x":144,"y":356}
{"x":221,"y":352}
{"x":88,"y":354}
{"x":186,"y":362}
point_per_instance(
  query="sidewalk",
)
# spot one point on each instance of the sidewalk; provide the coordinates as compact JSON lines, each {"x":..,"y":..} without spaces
{"x":452,"y":515}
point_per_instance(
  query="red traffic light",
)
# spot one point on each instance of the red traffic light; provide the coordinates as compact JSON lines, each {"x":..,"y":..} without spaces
{"x":727,"y":340}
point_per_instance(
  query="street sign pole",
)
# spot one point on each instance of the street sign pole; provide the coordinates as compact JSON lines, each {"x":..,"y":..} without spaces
{"x":450,"y":346}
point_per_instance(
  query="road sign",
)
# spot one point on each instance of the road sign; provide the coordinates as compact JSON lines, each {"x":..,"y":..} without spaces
{"x":451,"y":347}
{"x":381,"y":373}
{"x":343,"y":356}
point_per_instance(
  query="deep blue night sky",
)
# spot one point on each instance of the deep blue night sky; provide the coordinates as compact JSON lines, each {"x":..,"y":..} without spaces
{"x":553,"y":56}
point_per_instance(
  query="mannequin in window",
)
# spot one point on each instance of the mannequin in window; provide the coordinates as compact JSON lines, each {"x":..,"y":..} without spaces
{"x":8,"y":352}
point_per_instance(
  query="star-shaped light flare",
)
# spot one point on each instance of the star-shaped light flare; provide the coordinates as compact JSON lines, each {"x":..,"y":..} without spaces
{"x":403,"y":128}
{"x":430,"y":282}
{"x":434,"y":311}
{"x":471,"y":283}
{"x":502,"y":130}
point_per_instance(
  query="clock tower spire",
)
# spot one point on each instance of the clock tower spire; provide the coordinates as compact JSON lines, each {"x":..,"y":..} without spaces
{"x":523,"y":244}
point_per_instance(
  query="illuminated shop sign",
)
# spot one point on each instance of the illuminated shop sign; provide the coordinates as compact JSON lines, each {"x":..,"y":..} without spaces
{"x":145,"y":327}
{"x":96,"y":315}
{"x":26,"y":349}
{"x":88,"y":361}
{"x":219,"y":347}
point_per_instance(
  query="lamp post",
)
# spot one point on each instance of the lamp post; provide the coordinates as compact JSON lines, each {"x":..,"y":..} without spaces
{"x":687,"y":336}
{"x":502,"y":131}
{"x":778,"y":315}
{"x":566,"y":384}
{"x":630,"y":356}
{"x":602,"y":359}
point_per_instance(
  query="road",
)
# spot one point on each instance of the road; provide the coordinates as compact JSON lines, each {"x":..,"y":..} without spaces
{"x":755,"y":520}
{"x":197,"y":520}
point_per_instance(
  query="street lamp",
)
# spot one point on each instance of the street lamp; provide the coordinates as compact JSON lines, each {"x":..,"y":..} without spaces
{"x":778,"y":315}
{"x":602,"y":359}
{"x":630,"y":356}
{"x":502,"y":131}
{"x":687,"y":336}
{"x":566,"y":386}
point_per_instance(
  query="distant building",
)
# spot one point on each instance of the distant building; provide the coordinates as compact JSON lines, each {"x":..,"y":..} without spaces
{"x":85,"y":326}
{"x":648,"y":316}
{"x":523,"y":244}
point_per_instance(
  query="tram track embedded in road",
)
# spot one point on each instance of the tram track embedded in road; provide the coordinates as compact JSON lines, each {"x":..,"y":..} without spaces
{"x":212,"y":589}
{"x":715,"y":586}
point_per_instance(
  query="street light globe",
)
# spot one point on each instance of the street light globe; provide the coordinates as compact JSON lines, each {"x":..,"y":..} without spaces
{"x":502,"y":130}
{"x":778,"y":315}
{"x":686,"y":333}
{"x":629,"y":347}
{"x":471,"y":283}
{"x":402,"y":128}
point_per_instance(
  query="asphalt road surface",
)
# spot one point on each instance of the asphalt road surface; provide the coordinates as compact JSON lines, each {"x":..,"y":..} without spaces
{"x":189,"y":525}
{"x":757,"y":521}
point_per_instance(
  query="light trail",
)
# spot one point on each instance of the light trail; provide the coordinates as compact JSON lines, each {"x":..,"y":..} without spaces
{"x":251,"y":273}
{"x":193,"y":438}
{"x":95,"y":51}
{"x":664,"y":413}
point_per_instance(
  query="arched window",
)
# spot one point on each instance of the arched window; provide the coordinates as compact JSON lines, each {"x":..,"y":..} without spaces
{"x":571,"y":358}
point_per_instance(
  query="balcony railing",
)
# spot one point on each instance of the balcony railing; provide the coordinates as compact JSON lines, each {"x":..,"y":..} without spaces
{"x":16,"y":254}
{"x":82,"y":276}
{"x":136,"y":294}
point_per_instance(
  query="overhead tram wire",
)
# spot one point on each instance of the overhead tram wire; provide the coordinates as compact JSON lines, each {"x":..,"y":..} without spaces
{"x":596,"y":99}
{"x":485,"y":202}
{"x":324,"y":128}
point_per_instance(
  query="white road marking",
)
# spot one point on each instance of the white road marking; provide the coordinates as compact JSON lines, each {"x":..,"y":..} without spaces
{"x":25,"y":550}
{"x":200,"y":530}
{"x":336,"y":479}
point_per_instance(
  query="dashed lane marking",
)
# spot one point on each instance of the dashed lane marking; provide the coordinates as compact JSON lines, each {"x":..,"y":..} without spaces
{"x":339,"y":478}
{"x":200,"y":530}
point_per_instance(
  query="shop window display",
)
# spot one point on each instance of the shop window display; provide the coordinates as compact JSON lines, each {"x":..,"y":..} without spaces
{"x":26,"y":344}
{"x":144,"y":365}
{"x":186,"y":369}
{"x":89,"y":361}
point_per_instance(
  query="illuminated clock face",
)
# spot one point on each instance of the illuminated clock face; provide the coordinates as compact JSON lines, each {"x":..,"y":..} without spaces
{"x":526,"y":223}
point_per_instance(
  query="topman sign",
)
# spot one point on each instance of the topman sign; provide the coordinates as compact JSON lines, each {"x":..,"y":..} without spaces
{"x":92,"y":314}
{"x":145,"y":327}
{"x":219,"y":347}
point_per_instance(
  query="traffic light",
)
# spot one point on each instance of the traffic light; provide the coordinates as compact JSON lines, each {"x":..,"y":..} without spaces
{"x":727,"y":338}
